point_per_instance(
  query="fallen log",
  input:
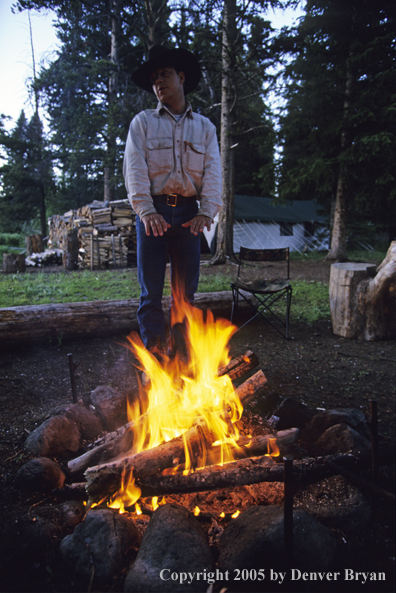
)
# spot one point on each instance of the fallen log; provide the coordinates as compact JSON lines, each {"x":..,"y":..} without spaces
{"x":116,"y":443}
{"x":250,"y":471}
{"x":63,"y":321}
{"x":106,"y":479}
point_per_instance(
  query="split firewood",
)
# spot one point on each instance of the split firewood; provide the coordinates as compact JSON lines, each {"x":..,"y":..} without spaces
{"x":250,"y":471}
{"x":238,"y":367}
{"x":120,"y":441}
{"x":106,"y":479}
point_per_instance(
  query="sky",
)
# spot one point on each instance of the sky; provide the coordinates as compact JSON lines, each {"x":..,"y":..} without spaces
{"x":16,"y":55}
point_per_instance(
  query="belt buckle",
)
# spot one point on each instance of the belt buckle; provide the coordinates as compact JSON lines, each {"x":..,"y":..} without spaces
{"x":171,"y":199}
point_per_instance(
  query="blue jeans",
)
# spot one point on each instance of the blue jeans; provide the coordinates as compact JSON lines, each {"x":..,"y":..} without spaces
{"x":183,"y":249}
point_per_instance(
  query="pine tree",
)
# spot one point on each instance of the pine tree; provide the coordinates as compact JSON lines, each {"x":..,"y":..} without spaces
{"x":339,"y":132}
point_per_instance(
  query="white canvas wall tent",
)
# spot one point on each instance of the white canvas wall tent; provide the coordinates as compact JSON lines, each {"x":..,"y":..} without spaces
{"x":300,"y":225}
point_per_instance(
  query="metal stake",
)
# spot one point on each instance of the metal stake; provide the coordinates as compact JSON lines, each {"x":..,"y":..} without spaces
{"x":374,"y":439}
{"x":72,"y":367}
{"x":288,"y":510}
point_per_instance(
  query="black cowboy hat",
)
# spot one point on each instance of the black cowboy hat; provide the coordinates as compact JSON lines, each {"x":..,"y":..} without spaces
{"x":160,"y":56}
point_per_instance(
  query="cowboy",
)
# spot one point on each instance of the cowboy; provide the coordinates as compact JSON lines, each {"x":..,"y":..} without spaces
{"x":173,"y":178}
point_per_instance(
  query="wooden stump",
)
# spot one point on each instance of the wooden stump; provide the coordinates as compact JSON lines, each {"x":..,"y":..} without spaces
{"x":13,"y":263}
{"x":363,"y":299}
{"x":34,"y":244}
{"x":70,"y":255}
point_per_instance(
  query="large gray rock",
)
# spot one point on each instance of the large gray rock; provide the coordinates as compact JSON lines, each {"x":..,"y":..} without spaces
{"x":40,"y":475}
{"x":336,"y":503}
{"x":110,"y":406}
{"x":174,"y":543}
{"x":323,"y":420}
{"x":341,"y":438}
{"x":38,"y":532}
{"x":86,"y":420}
{"x":56,"y":437}
{"x":102,"y":543}
{"x":255,"y":540}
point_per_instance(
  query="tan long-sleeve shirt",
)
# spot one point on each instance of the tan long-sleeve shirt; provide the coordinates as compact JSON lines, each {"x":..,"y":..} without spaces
{"x":164,"y":155}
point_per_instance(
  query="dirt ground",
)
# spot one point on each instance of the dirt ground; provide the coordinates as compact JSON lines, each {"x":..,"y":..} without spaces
{"x":315,"y":367}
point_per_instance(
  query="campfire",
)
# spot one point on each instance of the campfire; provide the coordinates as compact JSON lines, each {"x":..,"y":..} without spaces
{"x":189,"y":439}
{"x":186,"y":417}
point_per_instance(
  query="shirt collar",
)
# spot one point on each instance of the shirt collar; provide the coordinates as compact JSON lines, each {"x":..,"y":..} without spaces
{"x":188,"y":110}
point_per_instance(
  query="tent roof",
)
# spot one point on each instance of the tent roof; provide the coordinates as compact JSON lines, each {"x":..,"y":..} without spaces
{"x":262,"y":209}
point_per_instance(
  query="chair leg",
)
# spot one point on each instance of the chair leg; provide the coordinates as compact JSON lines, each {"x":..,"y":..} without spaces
{"x":234,"y":303}
{"x":288,"y":305}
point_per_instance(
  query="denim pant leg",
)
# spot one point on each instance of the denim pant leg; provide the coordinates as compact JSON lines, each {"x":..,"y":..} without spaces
{"x":183,"y":249}
{"x":151,"y":262}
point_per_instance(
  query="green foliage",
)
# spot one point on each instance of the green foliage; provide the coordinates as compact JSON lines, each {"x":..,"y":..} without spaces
{"x":11,"y":243}
{"x":337,"y":42}
{"x":26,"y":177}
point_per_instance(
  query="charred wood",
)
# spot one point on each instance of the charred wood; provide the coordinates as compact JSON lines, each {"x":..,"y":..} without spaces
{"x":116,"y":443}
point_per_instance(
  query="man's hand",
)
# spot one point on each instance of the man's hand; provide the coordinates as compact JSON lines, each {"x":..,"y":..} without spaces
{"x":156,"y":223}
{"x":198,"y":223}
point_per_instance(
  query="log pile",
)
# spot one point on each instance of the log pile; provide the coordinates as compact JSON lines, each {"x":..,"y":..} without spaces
{"x":106,"y":234}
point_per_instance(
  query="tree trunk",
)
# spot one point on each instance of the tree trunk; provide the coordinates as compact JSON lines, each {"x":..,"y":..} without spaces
{"x":224,"y":245}
{"x":156,"y":12}
{"x":109,"y":172}
{"x":338,"y":248}
{"x":363,"y":306}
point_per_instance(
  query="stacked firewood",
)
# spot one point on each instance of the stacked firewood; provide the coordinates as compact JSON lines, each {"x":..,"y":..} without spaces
{"x":106,"y":234}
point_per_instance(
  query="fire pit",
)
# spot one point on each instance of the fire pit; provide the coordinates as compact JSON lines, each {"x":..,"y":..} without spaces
{"x":152,"y":475}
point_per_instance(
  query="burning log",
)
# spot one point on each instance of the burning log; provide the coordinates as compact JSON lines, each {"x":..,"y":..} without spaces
{"x":250,"y":471}
{"x":105,"y":479}
{"x":115,"y":443}
{"x":238,"y":367}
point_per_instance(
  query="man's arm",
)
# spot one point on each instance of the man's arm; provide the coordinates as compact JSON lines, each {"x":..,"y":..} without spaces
{"x":137,"y":180}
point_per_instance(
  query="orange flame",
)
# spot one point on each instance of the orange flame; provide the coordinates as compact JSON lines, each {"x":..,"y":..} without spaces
{"x":185,"y":389}
{"x":272,"y":448}
{"x":127,"y":495}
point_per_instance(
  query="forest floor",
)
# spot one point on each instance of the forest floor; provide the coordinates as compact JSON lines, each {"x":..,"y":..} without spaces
{"x":315,"y":367}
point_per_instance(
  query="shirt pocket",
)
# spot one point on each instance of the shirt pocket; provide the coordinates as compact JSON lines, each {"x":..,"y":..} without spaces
{"x":159,"y":154}
{"x":194,"y":156}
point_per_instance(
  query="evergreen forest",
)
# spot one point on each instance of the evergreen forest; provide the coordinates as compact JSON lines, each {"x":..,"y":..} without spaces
{"x":306,"y":112}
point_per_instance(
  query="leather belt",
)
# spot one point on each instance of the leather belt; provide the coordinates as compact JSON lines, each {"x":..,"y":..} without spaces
{"x":174,"y":199}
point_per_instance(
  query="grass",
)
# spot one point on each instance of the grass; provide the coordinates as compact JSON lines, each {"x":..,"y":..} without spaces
{"x":310,"y":299}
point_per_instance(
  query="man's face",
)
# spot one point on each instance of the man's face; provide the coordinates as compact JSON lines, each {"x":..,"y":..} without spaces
{"x":167,"y":84}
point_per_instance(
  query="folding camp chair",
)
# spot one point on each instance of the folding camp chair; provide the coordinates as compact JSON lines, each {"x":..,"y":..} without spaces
{"x":262,"y":294}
